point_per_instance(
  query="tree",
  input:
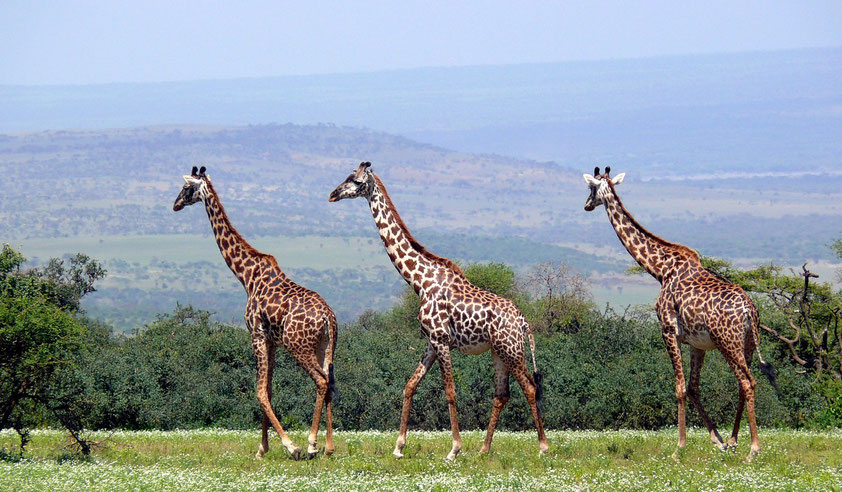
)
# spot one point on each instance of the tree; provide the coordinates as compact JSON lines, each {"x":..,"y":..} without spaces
{"x":62,"y":284}
{"x":39,"y":335}
{"x":561,"y":297}
{"x":498,"y":278}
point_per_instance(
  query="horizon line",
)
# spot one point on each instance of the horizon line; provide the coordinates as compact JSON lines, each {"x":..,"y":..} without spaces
{"x":423,"y":67}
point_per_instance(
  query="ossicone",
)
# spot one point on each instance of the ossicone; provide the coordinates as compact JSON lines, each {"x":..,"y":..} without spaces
{"x":202,"y":171}
{"x":607,"y":170}
{"x":195,"y":171}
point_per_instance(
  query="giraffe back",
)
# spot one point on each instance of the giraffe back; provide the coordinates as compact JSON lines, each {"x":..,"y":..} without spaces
{"x":710,"y":311}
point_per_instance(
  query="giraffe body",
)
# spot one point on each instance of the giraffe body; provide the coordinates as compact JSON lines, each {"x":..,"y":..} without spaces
{"x":454,"y":314}
{"x":279,"y":313}
{"x":694,"y":307}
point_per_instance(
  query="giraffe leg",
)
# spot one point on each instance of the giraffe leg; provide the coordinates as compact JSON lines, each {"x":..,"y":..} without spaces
{"x":311,"y":365}
{"x":329,"y":448}
{"x":674,"y":351}
{"x":747,"y":384}
{"x":732,"y":443}
{"x":530,"y":390}
{"x":261,"y":351}
{"x":270,"y":369}
{"x":443,"y":355}
{"x":409,"y":391}
{"x":501,"y":396}
{"x":326,"y":361}
{"x":697,"y":360}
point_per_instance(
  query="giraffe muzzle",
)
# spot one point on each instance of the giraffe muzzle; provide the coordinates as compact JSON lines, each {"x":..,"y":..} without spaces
{"x":178,"y":204}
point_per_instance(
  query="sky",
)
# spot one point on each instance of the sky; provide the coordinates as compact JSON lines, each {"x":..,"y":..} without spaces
{"x":87,"y":42}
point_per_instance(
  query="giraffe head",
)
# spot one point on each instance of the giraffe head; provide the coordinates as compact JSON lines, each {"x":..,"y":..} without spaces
{"x":194,"y":189}
{"x":358,"y":183}
{"x":598,"y":184}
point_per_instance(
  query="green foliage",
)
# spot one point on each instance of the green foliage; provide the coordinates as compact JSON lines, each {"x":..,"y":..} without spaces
{"x":10,"y":260}
{"x":831,"y":414}
{"x":36,"y":338}
{"x":494,"y":277}
{"x":39,"y":340}
{"x":181,"y":371}
{"x":836,"y":246}
{"x":560,"y":298}
{"x":187,"y":371}
{"x":61,"y":284}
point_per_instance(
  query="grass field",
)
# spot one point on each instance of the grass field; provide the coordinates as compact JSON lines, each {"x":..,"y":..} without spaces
{"x":578,"y":460}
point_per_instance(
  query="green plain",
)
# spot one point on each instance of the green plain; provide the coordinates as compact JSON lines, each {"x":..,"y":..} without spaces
{"x":577,"y":460}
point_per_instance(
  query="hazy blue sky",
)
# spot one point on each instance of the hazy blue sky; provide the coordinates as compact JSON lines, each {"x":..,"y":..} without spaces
{"x":116,"y":41}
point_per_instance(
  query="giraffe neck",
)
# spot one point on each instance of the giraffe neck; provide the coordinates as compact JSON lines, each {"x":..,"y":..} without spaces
{"x":657,"y":256}
{"x":409,"y":257}
{"x":238,"y":254}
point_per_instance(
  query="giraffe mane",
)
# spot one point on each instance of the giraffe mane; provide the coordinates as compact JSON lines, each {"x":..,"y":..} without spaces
{"x":412,"y":241}
{"x":693,"y":254}
{"x":247,"y":248}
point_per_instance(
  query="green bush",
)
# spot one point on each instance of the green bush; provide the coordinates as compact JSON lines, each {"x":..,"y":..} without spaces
{"x":831,"y":414}
{"x":187,"y":371}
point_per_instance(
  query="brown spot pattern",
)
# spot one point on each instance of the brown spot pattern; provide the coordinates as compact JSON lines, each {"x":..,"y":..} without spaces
{"x":694,"y":307}
{"x":454,"y":314}
{"x":279,"y":313}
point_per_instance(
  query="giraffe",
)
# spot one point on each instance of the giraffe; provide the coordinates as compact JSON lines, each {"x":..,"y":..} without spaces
{"x":454,"y":314}
{"x":278,"y":313}
{"x":694,"y":307}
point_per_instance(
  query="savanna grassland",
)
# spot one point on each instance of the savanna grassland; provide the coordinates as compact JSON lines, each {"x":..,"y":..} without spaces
{"x":744,"y":168}
{"x":577,"y":460}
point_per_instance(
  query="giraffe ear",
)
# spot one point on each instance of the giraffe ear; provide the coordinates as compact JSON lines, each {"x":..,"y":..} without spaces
{"x":618,"y":178}
{"x":191,"y":180}
{"x":590,"y":180}
{"x":360,"y":173}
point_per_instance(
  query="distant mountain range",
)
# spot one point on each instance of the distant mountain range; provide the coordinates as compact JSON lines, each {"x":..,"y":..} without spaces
{"x":765,"y":111}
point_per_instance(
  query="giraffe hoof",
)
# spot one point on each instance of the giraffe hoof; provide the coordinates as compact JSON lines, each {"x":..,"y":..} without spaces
{"x":328,"y":451}
{"x":261,"y":450}
{"x":484,"y":450}
{"x":295,"y":454}
{"x":312,"y":454}
{"x":397,"y":454}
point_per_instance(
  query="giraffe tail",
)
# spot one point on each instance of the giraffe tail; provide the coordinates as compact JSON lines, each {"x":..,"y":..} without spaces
{"x":536,"y":375}
{"x":767,"y":369}
{"x":332,"y":393}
